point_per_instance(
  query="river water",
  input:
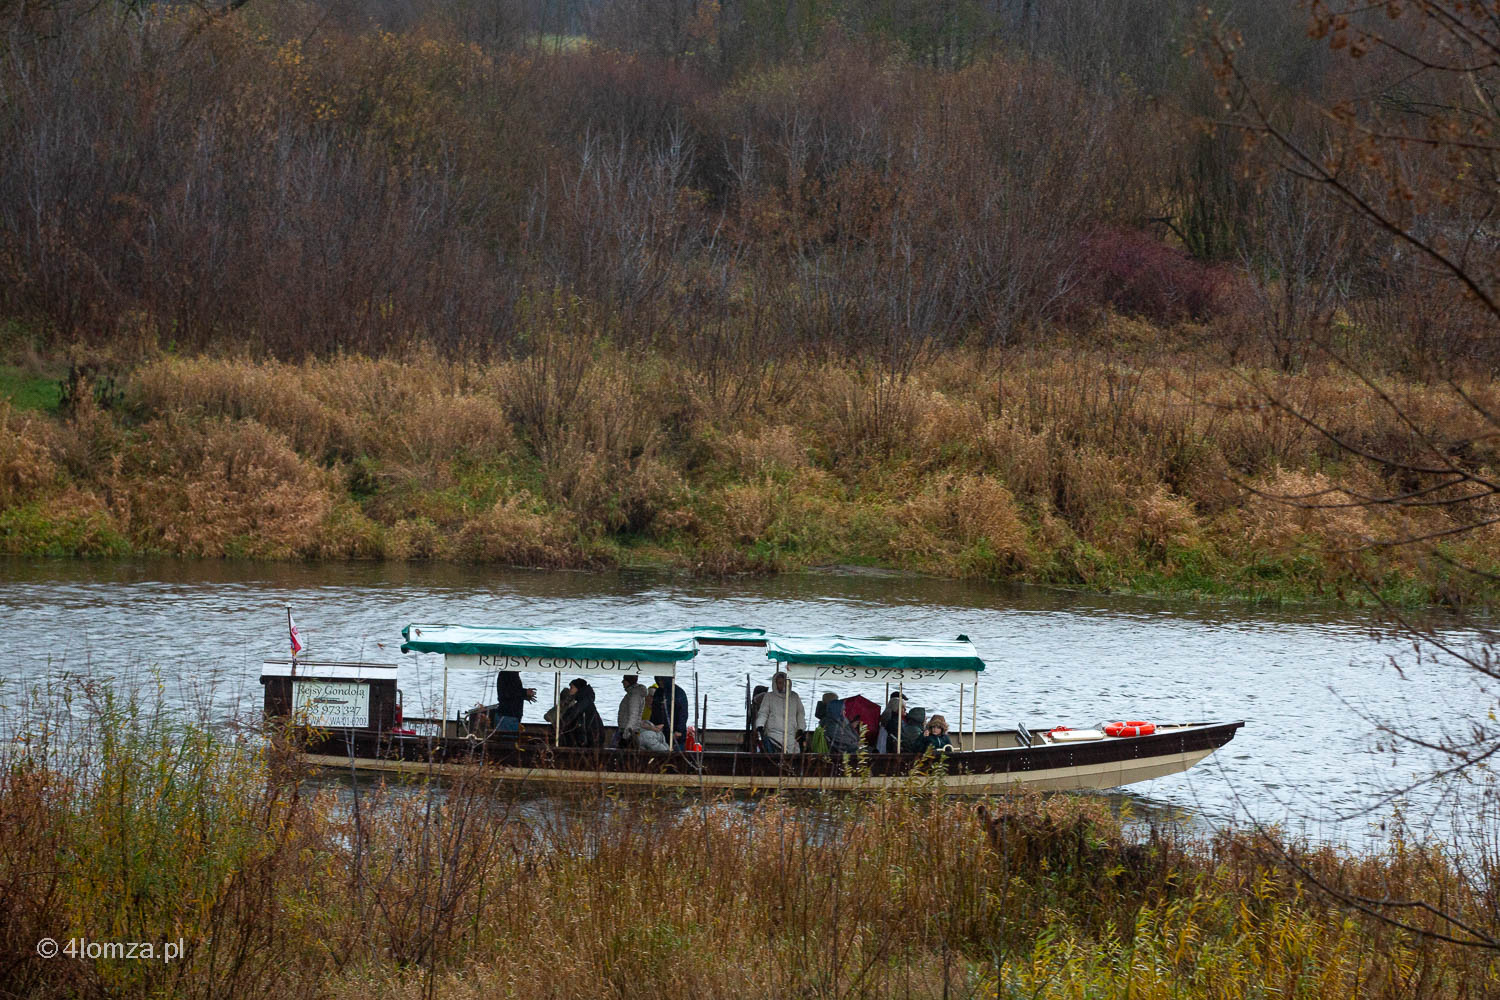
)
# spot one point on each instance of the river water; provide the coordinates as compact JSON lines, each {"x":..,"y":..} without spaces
{"x":1309,"y":682}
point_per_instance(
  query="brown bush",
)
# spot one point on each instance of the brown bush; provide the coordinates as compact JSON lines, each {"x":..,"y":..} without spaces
{"x":516,"y":532}
{"x":219,"y":488}
{"x":26,"y":465}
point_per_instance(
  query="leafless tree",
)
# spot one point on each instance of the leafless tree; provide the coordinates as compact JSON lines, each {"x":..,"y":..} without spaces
{"x":1408,"y":149}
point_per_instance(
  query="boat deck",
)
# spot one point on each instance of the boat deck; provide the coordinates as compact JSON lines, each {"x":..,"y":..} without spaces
{"x":998,"y":762}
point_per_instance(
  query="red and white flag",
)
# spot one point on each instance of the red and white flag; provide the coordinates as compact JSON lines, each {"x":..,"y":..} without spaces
{"x":291,"y":628}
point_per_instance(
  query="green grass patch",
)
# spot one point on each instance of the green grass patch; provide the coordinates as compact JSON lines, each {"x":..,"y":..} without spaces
{"x":27,"y":391}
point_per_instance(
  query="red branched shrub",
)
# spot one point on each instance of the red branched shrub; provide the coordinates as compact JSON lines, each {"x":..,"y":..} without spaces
{"x":1133,"y":273}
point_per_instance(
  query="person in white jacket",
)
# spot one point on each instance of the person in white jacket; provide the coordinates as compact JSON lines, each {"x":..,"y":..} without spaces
{"x":780,"y":721}
{"x":634,"y":708}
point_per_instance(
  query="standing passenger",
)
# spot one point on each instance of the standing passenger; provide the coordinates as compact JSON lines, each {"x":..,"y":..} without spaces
{"x":780,"y":721}
{"x":511,"y":698}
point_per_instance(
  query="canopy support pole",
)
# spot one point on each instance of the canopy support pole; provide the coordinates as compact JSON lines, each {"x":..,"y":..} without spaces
{"x":443,"y":731}
{"x":786,"y":707}
{"x":557,"y":709}
{"x":961,"y":713}
{"x":900,"y":713}
{"x":974,"y":718}
{"x":672,"y":711}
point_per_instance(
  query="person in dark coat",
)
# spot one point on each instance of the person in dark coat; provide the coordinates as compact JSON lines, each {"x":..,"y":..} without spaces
{"x":662,"y":711}
{"x":914,"y":731}
{"x":511,"y":699}
{"x":751,"y":711}
{"x":836,"y":729}
{"x":581,"y":725}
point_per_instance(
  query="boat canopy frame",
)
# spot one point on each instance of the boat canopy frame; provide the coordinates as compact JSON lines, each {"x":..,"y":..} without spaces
{"x":660,"y":652}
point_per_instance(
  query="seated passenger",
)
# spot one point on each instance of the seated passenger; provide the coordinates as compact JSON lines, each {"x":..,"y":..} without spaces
{"x":780,"y":723}
{"x":674,"y":712}
{"x":890,"y":723}
{"x":936,"y":735}
{"x":837,"y":731}
{"x":635,"y":707}
{"x":864,"y":715}
{"x":564,"y":699}
{"x":751,"y":710}
{"x":581,"y":725}
{"x":649,"y":737}
{"x":913,"y":731}
{"x":817,"y":740}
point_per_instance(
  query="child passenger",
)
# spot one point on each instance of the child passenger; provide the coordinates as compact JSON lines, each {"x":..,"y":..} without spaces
{"x":936,"y":735}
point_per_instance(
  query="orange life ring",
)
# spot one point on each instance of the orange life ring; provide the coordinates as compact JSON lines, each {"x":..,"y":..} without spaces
{"x":1130,"y":729}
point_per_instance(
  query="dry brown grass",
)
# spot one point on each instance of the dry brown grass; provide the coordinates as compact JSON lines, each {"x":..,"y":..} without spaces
{"x":1067,"y":465}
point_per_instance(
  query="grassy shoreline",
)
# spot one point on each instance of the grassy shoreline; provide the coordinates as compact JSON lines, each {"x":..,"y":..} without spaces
{"x":1064,"y":467}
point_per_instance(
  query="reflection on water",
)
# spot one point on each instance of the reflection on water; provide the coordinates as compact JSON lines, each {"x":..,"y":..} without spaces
{"x":1308,"y":681}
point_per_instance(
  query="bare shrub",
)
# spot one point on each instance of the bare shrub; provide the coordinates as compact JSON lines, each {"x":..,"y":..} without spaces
{"x":1139,"y":276}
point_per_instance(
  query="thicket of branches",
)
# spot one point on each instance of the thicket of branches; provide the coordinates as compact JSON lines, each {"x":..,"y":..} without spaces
{"x":734,"y":179}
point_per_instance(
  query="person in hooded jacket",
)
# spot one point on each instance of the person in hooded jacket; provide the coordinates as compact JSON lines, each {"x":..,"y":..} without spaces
{"x":581,"y":725}
{"x":633,"y":711}
{"x":914,"y":731}
{"x":837,"y":731}
{"x":890,"y":723}
{"x":662,"y":712}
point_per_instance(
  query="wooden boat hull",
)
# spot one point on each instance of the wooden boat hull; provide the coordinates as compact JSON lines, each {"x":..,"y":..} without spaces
{"x":1108,"y":763}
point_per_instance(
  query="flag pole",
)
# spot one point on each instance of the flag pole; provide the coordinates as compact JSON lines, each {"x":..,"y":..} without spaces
{"x":291,"y":637}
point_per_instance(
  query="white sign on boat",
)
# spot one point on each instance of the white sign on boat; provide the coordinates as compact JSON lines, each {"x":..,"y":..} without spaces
{"x":332,"y":704}
{"x":558,"y":665}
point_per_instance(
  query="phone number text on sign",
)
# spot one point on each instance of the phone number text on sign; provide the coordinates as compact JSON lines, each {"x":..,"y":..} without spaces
{"x":895,"y":675}
{"x":332,"y":704}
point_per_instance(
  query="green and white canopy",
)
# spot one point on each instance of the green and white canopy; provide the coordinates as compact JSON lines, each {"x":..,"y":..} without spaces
{"x":897,"y":661}
{"x":627,"y":651}
{"x":569,"y":650}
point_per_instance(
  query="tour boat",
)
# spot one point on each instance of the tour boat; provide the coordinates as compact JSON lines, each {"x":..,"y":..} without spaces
{"x":349,"y":717}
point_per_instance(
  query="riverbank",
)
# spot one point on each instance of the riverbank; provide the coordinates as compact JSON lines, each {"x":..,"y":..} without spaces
{"x":156,"y":832}
{"x":1147,"y":470}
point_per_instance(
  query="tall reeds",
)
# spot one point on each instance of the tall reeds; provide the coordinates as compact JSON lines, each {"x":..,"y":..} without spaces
{"x":125,"y":823}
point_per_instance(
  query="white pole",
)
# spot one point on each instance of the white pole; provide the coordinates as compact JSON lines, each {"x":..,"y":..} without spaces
{"x":900,"y":712}
{"x":883,"y":708}
{"x":672,"y":711}
{"x":443,"y":730}
{"x":961,"y":686}
{"x":974,"y":724}
{"x":557,"y":710}
{"x":786,"y":703}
